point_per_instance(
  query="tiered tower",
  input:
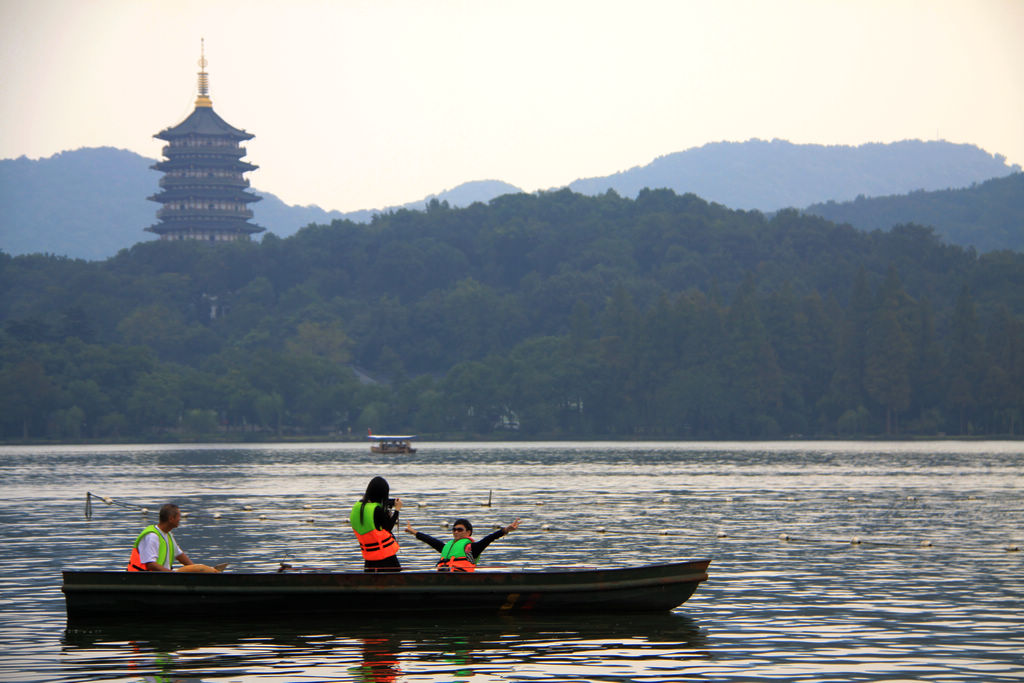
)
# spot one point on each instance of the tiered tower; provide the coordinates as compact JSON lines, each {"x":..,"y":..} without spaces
{"x":203,"y":194}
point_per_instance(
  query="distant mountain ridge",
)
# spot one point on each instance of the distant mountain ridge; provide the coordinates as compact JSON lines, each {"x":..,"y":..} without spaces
{"x":90,"y":203}
{"x":776,"y":174}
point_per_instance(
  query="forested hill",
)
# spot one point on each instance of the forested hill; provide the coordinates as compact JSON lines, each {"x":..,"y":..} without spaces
{"x":987,"y":216}
{"x":551,"y":315}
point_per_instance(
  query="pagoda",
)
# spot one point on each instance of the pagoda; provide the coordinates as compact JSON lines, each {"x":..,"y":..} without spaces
{"x":203,"y":194}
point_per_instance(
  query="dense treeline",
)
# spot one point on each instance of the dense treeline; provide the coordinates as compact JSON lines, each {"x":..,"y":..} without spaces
{"x":550,"y":315}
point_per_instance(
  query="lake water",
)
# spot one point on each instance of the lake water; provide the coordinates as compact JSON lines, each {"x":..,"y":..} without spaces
{"x":831,"y":561}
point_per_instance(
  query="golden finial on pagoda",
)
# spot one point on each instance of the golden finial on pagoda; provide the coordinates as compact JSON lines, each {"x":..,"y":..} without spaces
{"x":204,"y":82}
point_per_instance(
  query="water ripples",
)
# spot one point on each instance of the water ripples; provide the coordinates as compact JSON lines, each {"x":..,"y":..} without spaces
{"x":830,"y":562}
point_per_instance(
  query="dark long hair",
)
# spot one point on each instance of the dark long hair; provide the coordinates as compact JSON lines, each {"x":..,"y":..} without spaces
{"x":376,"y":492}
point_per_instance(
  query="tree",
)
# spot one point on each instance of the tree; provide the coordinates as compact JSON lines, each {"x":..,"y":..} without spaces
{"x":888,"y":352}
{"x":269,"y":409}
{"x":321,"y":340}
{"x":751,"y":370}
{"x":926,"y":375}
{"x":887,"y":366}
{"x":965,"y":362}
{"x":1003,"y":385}
{"x":846,"y":389}
{"x":155,"y":402}
{"x":28,"y":393}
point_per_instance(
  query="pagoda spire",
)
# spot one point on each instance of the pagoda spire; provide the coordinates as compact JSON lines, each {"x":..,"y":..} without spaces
{"x":203,"y":100}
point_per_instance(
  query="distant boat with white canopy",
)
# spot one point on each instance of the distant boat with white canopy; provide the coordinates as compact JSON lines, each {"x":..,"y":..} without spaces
{"x":380,"y":443}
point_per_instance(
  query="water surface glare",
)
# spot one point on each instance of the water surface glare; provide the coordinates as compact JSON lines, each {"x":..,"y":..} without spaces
{"x":831,"y":561}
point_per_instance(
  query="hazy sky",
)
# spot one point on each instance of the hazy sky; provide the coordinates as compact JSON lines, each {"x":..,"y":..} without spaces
{"x":359,"y":105}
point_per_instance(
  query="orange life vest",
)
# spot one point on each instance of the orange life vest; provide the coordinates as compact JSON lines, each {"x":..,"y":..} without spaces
{"x":454,"y":557}
{"x":135,"y":562}
{"x":376,"y":544}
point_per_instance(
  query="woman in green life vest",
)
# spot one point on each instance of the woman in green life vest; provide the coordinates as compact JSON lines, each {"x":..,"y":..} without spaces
{"x":372,"y":520}
{"x":460,"y":553}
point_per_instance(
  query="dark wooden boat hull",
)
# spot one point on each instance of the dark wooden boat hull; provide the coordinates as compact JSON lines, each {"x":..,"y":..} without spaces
{"x":163,"y":595}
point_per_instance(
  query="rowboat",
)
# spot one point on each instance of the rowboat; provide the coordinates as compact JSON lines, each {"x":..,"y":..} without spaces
{"x":649,"y":588}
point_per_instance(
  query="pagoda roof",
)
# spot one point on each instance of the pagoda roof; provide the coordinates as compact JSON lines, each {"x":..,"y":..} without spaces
{"x":204,"y":121}
{"x":203,"y":162}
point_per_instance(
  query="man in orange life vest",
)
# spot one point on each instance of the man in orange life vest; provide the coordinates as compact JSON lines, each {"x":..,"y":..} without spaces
{"x":155,"y":549}
{"x":460,"y":553}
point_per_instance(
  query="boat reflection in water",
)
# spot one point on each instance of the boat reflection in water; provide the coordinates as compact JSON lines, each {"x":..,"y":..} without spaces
{"x":383,"y":649}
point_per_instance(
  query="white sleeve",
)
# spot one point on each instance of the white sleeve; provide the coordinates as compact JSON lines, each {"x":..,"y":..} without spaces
{"x":149,"y":547}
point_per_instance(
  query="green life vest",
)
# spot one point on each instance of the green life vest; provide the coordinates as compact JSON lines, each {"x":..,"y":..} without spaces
{"x":362,"y":524}
{"x":167,"y":551}
{"x":454,"y":557}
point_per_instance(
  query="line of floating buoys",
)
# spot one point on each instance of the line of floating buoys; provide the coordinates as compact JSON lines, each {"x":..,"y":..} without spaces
{"x":89,"y":495}
{"x":719,"y":533}
{"x":216,"y":514}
